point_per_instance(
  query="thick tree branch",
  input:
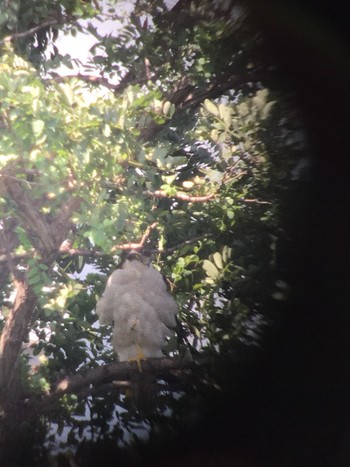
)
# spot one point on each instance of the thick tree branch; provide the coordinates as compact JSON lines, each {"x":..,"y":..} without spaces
{"x":31,"y":216}
{"x":92,"y":79}
{"x":50,"y":234}
{"x":117,"y":371}
{"x":17,"y":322}
{"x":128,"y":80}
{"x":12,"y":336}
{"x":61,"y":223}
{"x":8,"y":241}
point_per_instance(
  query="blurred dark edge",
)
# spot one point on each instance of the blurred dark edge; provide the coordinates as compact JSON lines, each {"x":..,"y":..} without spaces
{"x":293,"y":406}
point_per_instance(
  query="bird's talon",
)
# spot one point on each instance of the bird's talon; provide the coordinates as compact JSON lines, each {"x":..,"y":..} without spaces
{"x":138,"y":358}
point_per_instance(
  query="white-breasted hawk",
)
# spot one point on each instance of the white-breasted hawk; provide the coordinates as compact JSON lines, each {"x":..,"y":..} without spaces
{"x":137,"y":301}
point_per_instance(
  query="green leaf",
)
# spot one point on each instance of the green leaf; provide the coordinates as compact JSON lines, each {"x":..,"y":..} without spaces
{"x":68,"y":94}
{"x":243,"y":109}
{"x":218,"y":260}
{"x":38,"y":126}
{"x":267,"y":109}
{"x":225,"y":114}
{"x":260,"y":98}
{"x":159,"y":155}
{"x":34,"y":279}
{"x":226,"y":253}
{"x":166,"y":107}
{"x":106,"y":131}
{"x":210,"y":269}
{"x":230,"y":214}
{"x":211,"y":107}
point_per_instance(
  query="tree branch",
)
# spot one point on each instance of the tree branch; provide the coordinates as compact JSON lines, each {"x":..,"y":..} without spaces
{"x":18,"y":320}
{"x":13,"y":334}
{"x":32,"y":218}
{"x":184,"y":243}
{"x":92,"y":79}
{"x":140,"y":244}
{"x":60,"y":224}
{"x":116,"y":371}
{"x":51,"y":234}
{"x":182,"y":196}
{"x":8,"y":241}
{"x":256,"y":201}
{"x":100,"y":80}
{"x":184,"y":96}
{"x":30,"y":32}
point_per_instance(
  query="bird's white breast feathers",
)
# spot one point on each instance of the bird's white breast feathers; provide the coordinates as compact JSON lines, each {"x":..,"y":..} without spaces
{"x":137,"y":301}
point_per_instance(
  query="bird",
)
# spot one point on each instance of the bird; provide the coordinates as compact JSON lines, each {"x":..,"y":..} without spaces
{"x":137,"y":301}
{"x":143,"y":312}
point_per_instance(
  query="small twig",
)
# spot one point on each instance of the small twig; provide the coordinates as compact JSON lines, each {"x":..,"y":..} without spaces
{"x":184,"y":243}
{"x":257,"y":201}
{"x":182,"y":196}
{"x":138,"y":245}
{"x":237,"y":176}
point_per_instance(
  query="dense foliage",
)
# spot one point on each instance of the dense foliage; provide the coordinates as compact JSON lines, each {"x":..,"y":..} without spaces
{"x":174,"y":143}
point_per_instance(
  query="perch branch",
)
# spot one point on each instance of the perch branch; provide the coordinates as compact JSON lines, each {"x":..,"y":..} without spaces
{"x":121,"y":372}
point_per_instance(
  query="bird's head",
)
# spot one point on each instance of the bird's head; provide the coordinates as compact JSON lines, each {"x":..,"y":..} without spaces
{"x":144,"y":258}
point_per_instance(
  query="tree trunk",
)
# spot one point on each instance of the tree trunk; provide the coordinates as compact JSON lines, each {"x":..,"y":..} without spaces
{"x":14,"y":332}
{"x":16,"y":429}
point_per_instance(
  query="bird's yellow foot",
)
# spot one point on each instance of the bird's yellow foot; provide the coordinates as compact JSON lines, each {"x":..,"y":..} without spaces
{"x":138,"y":357}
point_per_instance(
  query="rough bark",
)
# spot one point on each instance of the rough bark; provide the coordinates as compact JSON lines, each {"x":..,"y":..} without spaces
{"x":8,"y":242}
{"x":50,"y":234}
{"x":15,"y":329}
{"x":32,"y":219}
{"x":118,"y":371}
{"x":47,"y":237}
{"x":116,"y":376}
